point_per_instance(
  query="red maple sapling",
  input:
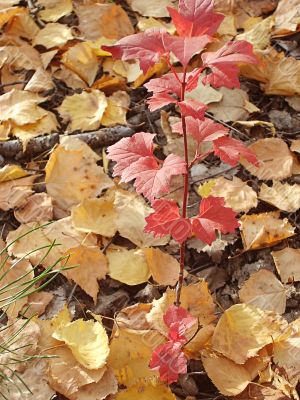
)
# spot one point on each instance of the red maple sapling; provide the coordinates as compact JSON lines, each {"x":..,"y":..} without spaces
{"x":196,"y":23}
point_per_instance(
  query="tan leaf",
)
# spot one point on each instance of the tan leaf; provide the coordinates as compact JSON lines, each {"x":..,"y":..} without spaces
{"x":8,"y":13}
{"x":287,"y":263}
{"x":72,"y":173}
{"x":146,"y":391}
{"x":264,"y":230}
{"x":22,"y":25}
{"x":67,"y":376}
{"x":287,"y":17}
{"x":131,"y":212}
{"x":37,"y":208}
{"x":265,"y":291}
{"x":95,"y":215}
{"x":232,"y":107}
{"x":243,"y":330}
{"x":21,"y":56}
{"x":205,"y":93}
{"x":21,"y":107}
{"x":53,"y":35}
{"x":70,"y":78}
{"x":82,"y":60}
{"x":128,"y":266}
{"x":260,"y":34}
{"x":53,"y":10}
{"x":284,"y":196}
{"x":262,"y":392}
{"x":287,"y":350}
{"x":87,"y":340}
{"x":230,"y":378}
{"x":296,"y":145}
{"x":15,"y":193}
{"x":237,"y":194}
{"x":90,"y":265}
{"x":83,"y":111}
{"x":47,"y":57}
{"x":196,"y":298}
{"x":275,"y":159}
{"x":40,"y":81}
{"x":152,"y":8}
{"x":37,"y":240}
{"x":108,"y":20}
{"x":163,"y":267}
{"x":37,"y":303}
{"x":116,"y":110}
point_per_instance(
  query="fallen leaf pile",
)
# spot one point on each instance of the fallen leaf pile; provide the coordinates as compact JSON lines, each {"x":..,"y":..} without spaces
{"x":63,"y":211}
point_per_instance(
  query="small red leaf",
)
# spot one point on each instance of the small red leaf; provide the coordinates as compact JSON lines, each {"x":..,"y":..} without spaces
{"x":192,"y":108}
{"x":169,"y":360}
{"x":195,"y":18}
{"x":230,"y":151}
{"x":213,"y":216}
{"x":223,"y":75}
{"x":151,"y":179}
{"x":202,"y":131}
{"x":166,"y":220}
{"x":128,"y":150}
{"x":179,"y":317}
{"x":160,"y":100}
{"x":147,"y":47}
{"x":165,"y":84}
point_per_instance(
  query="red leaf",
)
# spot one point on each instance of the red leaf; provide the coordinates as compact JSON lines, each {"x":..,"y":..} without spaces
{"x":230,"y":151}
{"x":222,"y":63}
{"x":128,"y":150}
{"x":213,"y":215}
{"x":192,"y":79}
{"x":180,"y":318}
{"x":192,"y":108}
{"x":160,"y":100}
{"x":151,"y":180}
{"x":166,"y":220}
{"x":195,"y":18}
{"x":147,"y":47}
{"x":169,"y":359}
{"x":162,"y":88}
{"x":185,"y":47}
{"x":202,"y":131}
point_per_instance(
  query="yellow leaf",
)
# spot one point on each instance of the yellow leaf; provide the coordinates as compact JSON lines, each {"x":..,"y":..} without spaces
{"x":157,"y":69}
{"x":97,"y":44}
{"x":109,"y":84}
{"x":8,"y":13}
{"x":82,"y":60}
{"x":265,"y":291}
{"x":230,"y":378}
{"x":37,"y":208}
{"x":205,"y":189}
{"x":116,"y":110}
{"x":148,"y":23}
{"x":275,"y":159}
{"x":260,"y":34}
{"x":95,"y":215}
{"x":287,"y":263}
{"x":22,"y":25}
{"x":83,"y":111}
{"x":72,"y":173}
{"x":98,"y":20}
{"x":264,"y":230}
{"x":53,"y":10}
{"x":10,"y":172}
{"x":146,"y":392}
{"x":53,"y":35}
{"x":21,"y":107}
{"x":128,"y":266}
{"x":151,"y":8}
{"x":251,"y":124}
{"x":284,"y":196}
{"x":243,"y":330}
{"x":236,"y":193}
{"x":163,"y":267}
{"x":87,"y":340}
{"x":40,"y":81}
{"x":90,"y":265}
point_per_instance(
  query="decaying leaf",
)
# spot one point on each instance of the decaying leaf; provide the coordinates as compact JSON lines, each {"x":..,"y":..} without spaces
{"x":37,"y":208}
{"x":87,"y":340}
{"x":72,"y":173}
{"x":15,"y":193}
{"x":11,"y":171}
{"x":287,"y":262}
{"x":53,"y":35}
{"x":274,"y":157}
{"x":264,"y":230}
{"x":116,"y":110}
{"x":53,"y":10}
{"x":83,"y":111}
{"x":260,"y":34}
{"x":163,"y":267}
{"x":128,"y":266}
{"x":243,"y":330}
{"x":265,"y":291}
{"x":37,"y":303}
{"x":287,"y":17}
{"x":89,"y":264}
{"x":146,"y":392}
{"x":284,"y":196}
{"x":152,"y":8}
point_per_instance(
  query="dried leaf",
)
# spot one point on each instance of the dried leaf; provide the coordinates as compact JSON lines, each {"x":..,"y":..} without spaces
{"x":284,"y":196}
{"x":116,"y":110}
{"x":83,"y":111}
{"x":8,"y":13}
{"x":243,"y":330}
{"x":260,"y":34}
{"x":53,"y":10}
{"x":152,"y":8}
{"x":163,"y":267}
{"x":40,"y":81}
{"x":72,"y":173}
{"x":53,"y":35}
{"x":287,"y":17}
{"x":265,"y":291}
{"x":274,"y":157}
{"x":264,"y":230}
{"x":15,"y":193}
{"x":37,"y":303}
{"x":287,"y":263}
{"x":10,"y":172}
{"x":146,"y":392}
{"x":37,"y":208}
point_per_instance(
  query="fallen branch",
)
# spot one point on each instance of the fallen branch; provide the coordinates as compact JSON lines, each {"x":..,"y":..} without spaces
{"x":13,"y":149}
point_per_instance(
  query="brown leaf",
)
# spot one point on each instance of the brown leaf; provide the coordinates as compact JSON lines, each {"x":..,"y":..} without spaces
{"x":15,"y":193}
{"x":37,"y":208}
{"x":163,"y":267}
{"x":287,"y":262}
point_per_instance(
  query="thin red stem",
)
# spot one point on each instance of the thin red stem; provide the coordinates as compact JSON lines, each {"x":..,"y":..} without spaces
{"x":185,"y":194}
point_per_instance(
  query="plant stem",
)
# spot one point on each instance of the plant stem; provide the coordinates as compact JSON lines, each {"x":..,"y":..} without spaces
{"x":185,"y":193}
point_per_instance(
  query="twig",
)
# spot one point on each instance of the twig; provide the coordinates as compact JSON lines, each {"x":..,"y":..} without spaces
{"x":12,"y":84}
{"x":228,"y":126}
{"x":33,"y":10}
